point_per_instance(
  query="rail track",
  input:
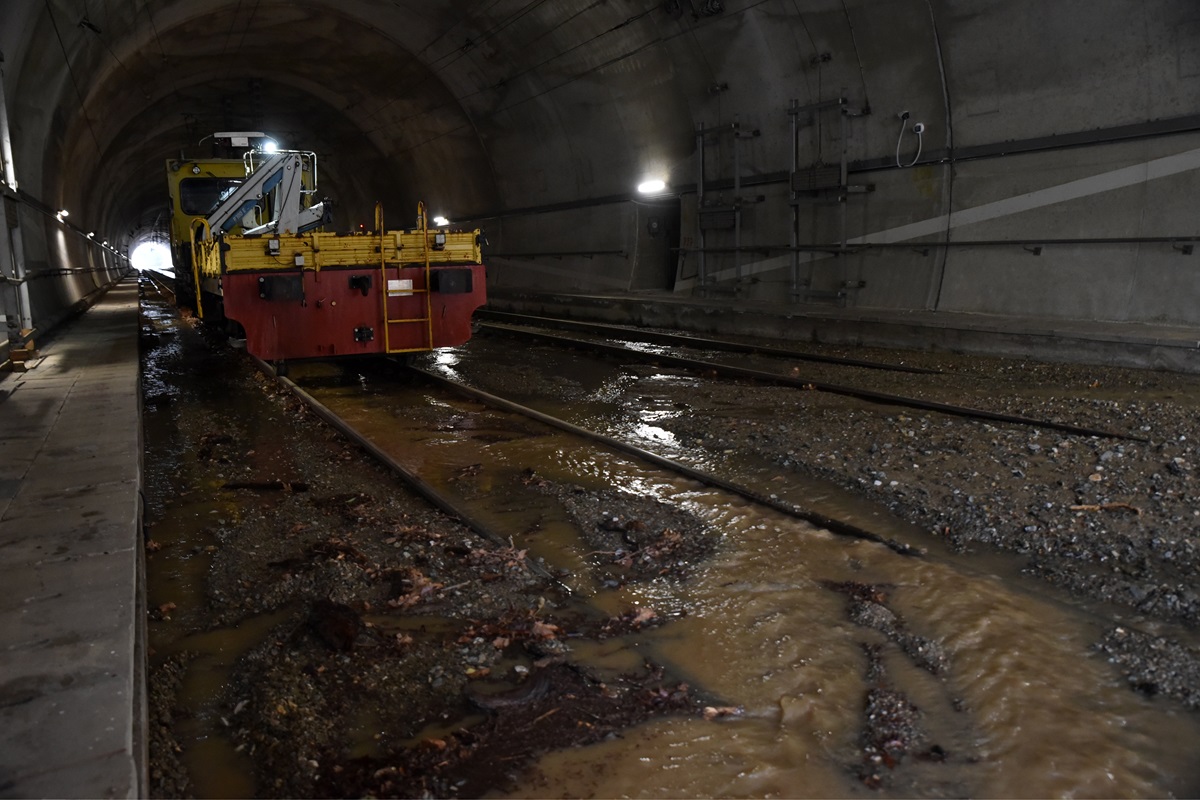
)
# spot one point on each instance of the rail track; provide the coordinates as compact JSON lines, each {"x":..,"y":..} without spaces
{"x":457,"y":510}
{"x":707,"y":367}
{"x":629,"y":333}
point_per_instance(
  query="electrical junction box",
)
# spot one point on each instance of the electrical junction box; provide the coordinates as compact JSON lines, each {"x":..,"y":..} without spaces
{"x":453,"y":281}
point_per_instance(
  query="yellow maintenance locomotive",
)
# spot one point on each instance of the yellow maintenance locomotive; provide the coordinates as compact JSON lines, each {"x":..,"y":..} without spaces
{"x":247,"y":247}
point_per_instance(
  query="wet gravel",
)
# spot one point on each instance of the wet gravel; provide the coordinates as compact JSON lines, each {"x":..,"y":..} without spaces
{"x":1111,"y":520}
{"x":891,"y":727}
{"x":633,"y":538}
{"x":868,"y":607}
{"x":1155,"y":665}
{"x":167,"y":775}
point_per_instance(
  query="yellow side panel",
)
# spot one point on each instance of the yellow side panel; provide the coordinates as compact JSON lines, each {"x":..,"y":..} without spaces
{"x":320,"y":250}
{"x":460,"y":247}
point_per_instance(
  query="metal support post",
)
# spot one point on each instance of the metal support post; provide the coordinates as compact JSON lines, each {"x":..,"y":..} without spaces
{"x":7,"y":171}
{"x":12,"y":249}
{"x":701,"y":276}
{"x":845,"y":173}
{"x":737,"y":209}
{"x":794,"y":112}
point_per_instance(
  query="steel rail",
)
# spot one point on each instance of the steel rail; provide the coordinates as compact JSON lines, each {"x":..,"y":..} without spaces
{"x":410,"y":478}
{"x":828,"y":523}
{"x":802,"y":383}
{"x":656,"y":337}
{"x":160,"y":286}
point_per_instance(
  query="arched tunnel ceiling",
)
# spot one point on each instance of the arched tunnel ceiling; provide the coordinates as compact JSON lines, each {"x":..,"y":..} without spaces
{"x":478,"y":106}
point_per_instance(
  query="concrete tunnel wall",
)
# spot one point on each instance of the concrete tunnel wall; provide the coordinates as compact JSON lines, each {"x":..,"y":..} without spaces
{"x":1076,"y":120}
{"x":53,"y":287}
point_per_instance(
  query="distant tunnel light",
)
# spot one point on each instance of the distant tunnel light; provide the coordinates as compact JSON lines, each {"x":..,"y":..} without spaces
{"x":151,"y":255}
{"x":652,"y":186}
{"x":440,"y":221}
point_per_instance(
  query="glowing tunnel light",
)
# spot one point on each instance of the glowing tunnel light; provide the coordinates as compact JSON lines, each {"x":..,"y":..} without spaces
{"x":151,"y":255}
{"x":652,"y":186}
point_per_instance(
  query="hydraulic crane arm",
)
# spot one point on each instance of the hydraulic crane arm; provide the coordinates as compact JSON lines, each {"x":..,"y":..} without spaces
{"x":282,"y":173}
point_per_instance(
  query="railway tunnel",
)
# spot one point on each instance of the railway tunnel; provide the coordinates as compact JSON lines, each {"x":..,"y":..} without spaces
{"x":962,"y":178}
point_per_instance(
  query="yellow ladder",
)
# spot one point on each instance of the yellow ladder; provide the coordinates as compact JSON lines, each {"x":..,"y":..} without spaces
{"x":428,"y":318}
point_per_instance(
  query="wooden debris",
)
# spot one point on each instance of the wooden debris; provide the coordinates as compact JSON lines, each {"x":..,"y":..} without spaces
{"x":1107,"y":507}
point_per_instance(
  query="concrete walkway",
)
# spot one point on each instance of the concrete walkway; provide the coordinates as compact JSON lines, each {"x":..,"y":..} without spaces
{"x":72,"y":623}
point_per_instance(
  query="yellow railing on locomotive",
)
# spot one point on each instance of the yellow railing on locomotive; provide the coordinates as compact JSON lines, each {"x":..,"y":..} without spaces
{"x":206,"y":251}
{"x":209,"y":262}
{"x":316,"y":251}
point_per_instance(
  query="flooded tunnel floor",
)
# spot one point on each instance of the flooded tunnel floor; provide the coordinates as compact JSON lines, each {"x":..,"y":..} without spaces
{"x":319,"y":632}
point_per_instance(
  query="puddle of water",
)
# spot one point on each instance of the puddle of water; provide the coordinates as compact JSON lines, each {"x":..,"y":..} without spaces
{"x":1026,"y":708}
{"x":177,"y":572}
{"x":214,"y":765}
{"x":1041,"y":714}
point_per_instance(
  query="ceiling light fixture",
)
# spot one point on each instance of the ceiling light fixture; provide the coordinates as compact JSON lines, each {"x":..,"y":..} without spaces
{"x":652,"y":186}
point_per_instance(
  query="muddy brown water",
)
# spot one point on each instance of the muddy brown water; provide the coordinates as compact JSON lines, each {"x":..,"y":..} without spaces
{"x":1026,"y":708}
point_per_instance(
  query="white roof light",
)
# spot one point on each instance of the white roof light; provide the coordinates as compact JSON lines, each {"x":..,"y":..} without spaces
{"x":239,"y":138}
{"x":652,"y":186}
{"x":270,"y":146}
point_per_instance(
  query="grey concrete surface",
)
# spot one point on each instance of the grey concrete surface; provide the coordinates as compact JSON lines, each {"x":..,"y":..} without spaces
{"x":72,"y":622}
{"x":1124,"y":344}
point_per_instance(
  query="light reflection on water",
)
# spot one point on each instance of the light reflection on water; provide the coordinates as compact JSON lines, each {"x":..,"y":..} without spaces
{"x":643,"y":347}
{"x":656,"y":435}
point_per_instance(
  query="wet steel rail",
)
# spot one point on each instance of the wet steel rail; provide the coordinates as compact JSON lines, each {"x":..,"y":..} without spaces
{"x":821,"y":520}
{"x":685,"y":340}
{"x":410,"y":478}
{"x":869,"y":395}
{"x":455,"y":510}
